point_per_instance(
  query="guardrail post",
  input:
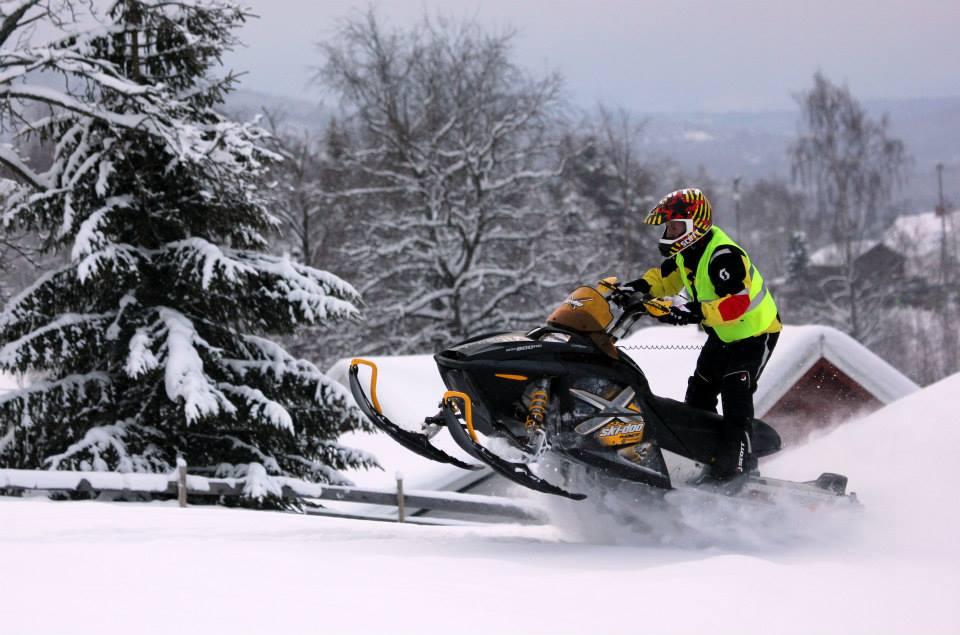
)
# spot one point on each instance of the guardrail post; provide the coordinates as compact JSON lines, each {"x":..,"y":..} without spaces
{"x":401,"y":506}
{"x":181,"y":482}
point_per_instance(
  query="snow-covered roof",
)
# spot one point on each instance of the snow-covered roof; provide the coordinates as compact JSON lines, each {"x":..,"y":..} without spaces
{"x":668,"y":355}
{"x":919,"y":238}
{"x":925,"y":225}
{"x":800,"y":347}
{"x":832,"y":255}
{"x":916,"y":236}
{"x":409,"y":388}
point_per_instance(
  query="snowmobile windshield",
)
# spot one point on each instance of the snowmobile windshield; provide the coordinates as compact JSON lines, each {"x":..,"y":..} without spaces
{"x":585,"y":310}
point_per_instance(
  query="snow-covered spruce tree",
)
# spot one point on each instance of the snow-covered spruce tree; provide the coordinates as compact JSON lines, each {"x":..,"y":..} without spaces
{"x":151,"y":343}
{"x":798,"y":257}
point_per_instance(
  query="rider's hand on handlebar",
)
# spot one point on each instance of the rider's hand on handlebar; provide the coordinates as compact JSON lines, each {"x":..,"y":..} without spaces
{"x":629,"y":297}
{"x":637,"y":286}
{"x":683,"y":314}
{"x":630,"y":300}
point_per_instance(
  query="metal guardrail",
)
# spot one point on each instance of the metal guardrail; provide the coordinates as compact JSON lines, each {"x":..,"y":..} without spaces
{"x":114,"y":486}
{"x":437,"y":501}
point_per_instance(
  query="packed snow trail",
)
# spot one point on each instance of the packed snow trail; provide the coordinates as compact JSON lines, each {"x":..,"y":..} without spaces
{"x":101,"y":568}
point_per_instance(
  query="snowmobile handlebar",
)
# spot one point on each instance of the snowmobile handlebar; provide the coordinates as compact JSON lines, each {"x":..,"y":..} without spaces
{"x":633,"y":304}
{"x":632,"y":301}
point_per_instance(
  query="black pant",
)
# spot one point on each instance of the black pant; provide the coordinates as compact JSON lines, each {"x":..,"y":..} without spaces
{"x":731,"y":371}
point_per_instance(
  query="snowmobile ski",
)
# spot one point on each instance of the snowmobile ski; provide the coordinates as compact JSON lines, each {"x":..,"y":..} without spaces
{"x":414,"y":441}
{"x":516,"y":472}
{"x":827,"y":489}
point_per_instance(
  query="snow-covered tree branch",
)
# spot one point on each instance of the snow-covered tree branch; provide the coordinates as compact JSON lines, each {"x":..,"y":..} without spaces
{"x":452,"y":144}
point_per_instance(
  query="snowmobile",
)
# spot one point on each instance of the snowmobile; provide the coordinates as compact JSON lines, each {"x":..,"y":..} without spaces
{"x":565,"y":391}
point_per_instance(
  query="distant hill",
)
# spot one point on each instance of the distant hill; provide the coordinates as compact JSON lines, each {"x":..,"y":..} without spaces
{"x":748,"y":144}
{"x":754,"y":145}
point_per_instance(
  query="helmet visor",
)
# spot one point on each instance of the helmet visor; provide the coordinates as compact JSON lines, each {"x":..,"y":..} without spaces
{"x":675,"y":229}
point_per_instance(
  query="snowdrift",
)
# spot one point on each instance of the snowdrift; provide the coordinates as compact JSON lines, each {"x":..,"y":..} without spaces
{"x":111,"y":568}
{"x":902,"y":462}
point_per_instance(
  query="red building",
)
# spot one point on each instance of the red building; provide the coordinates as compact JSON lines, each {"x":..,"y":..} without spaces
{"x":817,"y":377}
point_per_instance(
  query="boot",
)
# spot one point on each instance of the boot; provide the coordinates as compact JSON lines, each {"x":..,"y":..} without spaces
{"x":735,"y":456}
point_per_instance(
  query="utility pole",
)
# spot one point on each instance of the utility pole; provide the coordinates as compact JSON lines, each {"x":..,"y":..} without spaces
{"x":736,"y":204}
{"x":944,"y":295}
{"x":941,"y":211}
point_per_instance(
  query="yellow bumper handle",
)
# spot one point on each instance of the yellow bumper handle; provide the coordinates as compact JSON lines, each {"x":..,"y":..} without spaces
{"x":467,"y":410}
{"x":357,"y":361}
{"x":658,"y":307}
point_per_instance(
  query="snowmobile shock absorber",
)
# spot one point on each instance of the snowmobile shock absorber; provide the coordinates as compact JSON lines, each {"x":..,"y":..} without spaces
{"x":373,"y":379}
{"x":537,"y":409}
{"x":467,"y":410}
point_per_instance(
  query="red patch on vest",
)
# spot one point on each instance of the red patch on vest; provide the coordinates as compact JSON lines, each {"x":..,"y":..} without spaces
{"x":733,"y":307}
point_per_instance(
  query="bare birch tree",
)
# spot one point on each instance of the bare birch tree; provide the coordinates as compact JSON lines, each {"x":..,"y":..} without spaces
{"x":453,"y":146}
{"x":851,"y":164}
{"x":313,"y":226}
{"x":619,"y":135}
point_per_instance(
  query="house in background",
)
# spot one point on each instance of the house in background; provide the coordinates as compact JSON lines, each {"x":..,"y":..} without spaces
{"x":872,"y":259}
{"x":925,"y":239}
{"x":876,"y":265}
{"x":816,"y":379}
{"x":914,"y":256}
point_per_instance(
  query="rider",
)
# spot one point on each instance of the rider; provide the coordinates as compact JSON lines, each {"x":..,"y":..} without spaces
{"x":727,"y":296}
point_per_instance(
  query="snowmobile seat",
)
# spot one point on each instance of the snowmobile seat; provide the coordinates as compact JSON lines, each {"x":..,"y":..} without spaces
{"x":700,"y":432}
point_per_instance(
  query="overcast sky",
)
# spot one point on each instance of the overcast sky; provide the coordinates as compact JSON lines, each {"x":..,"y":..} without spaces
{"x":658,"y":55}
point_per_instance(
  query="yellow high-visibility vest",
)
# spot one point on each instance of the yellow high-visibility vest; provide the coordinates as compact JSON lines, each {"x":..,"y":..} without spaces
{"x":762,"y":310}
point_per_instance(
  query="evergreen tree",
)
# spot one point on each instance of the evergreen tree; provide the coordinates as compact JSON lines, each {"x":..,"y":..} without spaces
{"x":151,"y":343}
{"x":798,"y":256}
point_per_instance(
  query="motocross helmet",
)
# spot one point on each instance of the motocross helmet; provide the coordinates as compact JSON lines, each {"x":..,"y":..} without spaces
{"x":687,"y":217}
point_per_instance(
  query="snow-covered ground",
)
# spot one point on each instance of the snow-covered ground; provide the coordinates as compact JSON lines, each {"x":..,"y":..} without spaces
{"x":893,"y":568}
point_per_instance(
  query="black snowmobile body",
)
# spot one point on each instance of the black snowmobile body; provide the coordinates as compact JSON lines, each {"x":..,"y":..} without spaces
{"x":565,"y":389}
{"x":604,"y":414}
